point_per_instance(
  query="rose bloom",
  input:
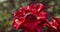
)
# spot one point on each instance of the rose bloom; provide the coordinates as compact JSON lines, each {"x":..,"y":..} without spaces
{"x":30,"y":18}
{"x":54,"y":25}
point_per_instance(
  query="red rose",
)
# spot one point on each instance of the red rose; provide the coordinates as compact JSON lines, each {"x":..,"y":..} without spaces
{"x":58,"y":21}
{"x":54,"y":24}
{"x":30,"y":18}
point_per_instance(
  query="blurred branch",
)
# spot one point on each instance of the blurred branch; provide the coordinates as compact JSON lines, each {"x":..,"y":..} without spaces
{"x":12,"y":2}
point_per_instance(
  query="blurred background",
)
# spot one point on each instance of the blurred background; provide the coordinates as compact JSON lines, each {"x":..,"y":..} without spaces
{"x":52,"y":7}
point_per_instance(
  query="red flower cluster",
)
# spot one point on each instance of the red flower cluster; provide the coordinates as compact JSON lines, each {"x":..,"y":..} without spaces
{"x":32,"y":18}
{"x":54,"y":25}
